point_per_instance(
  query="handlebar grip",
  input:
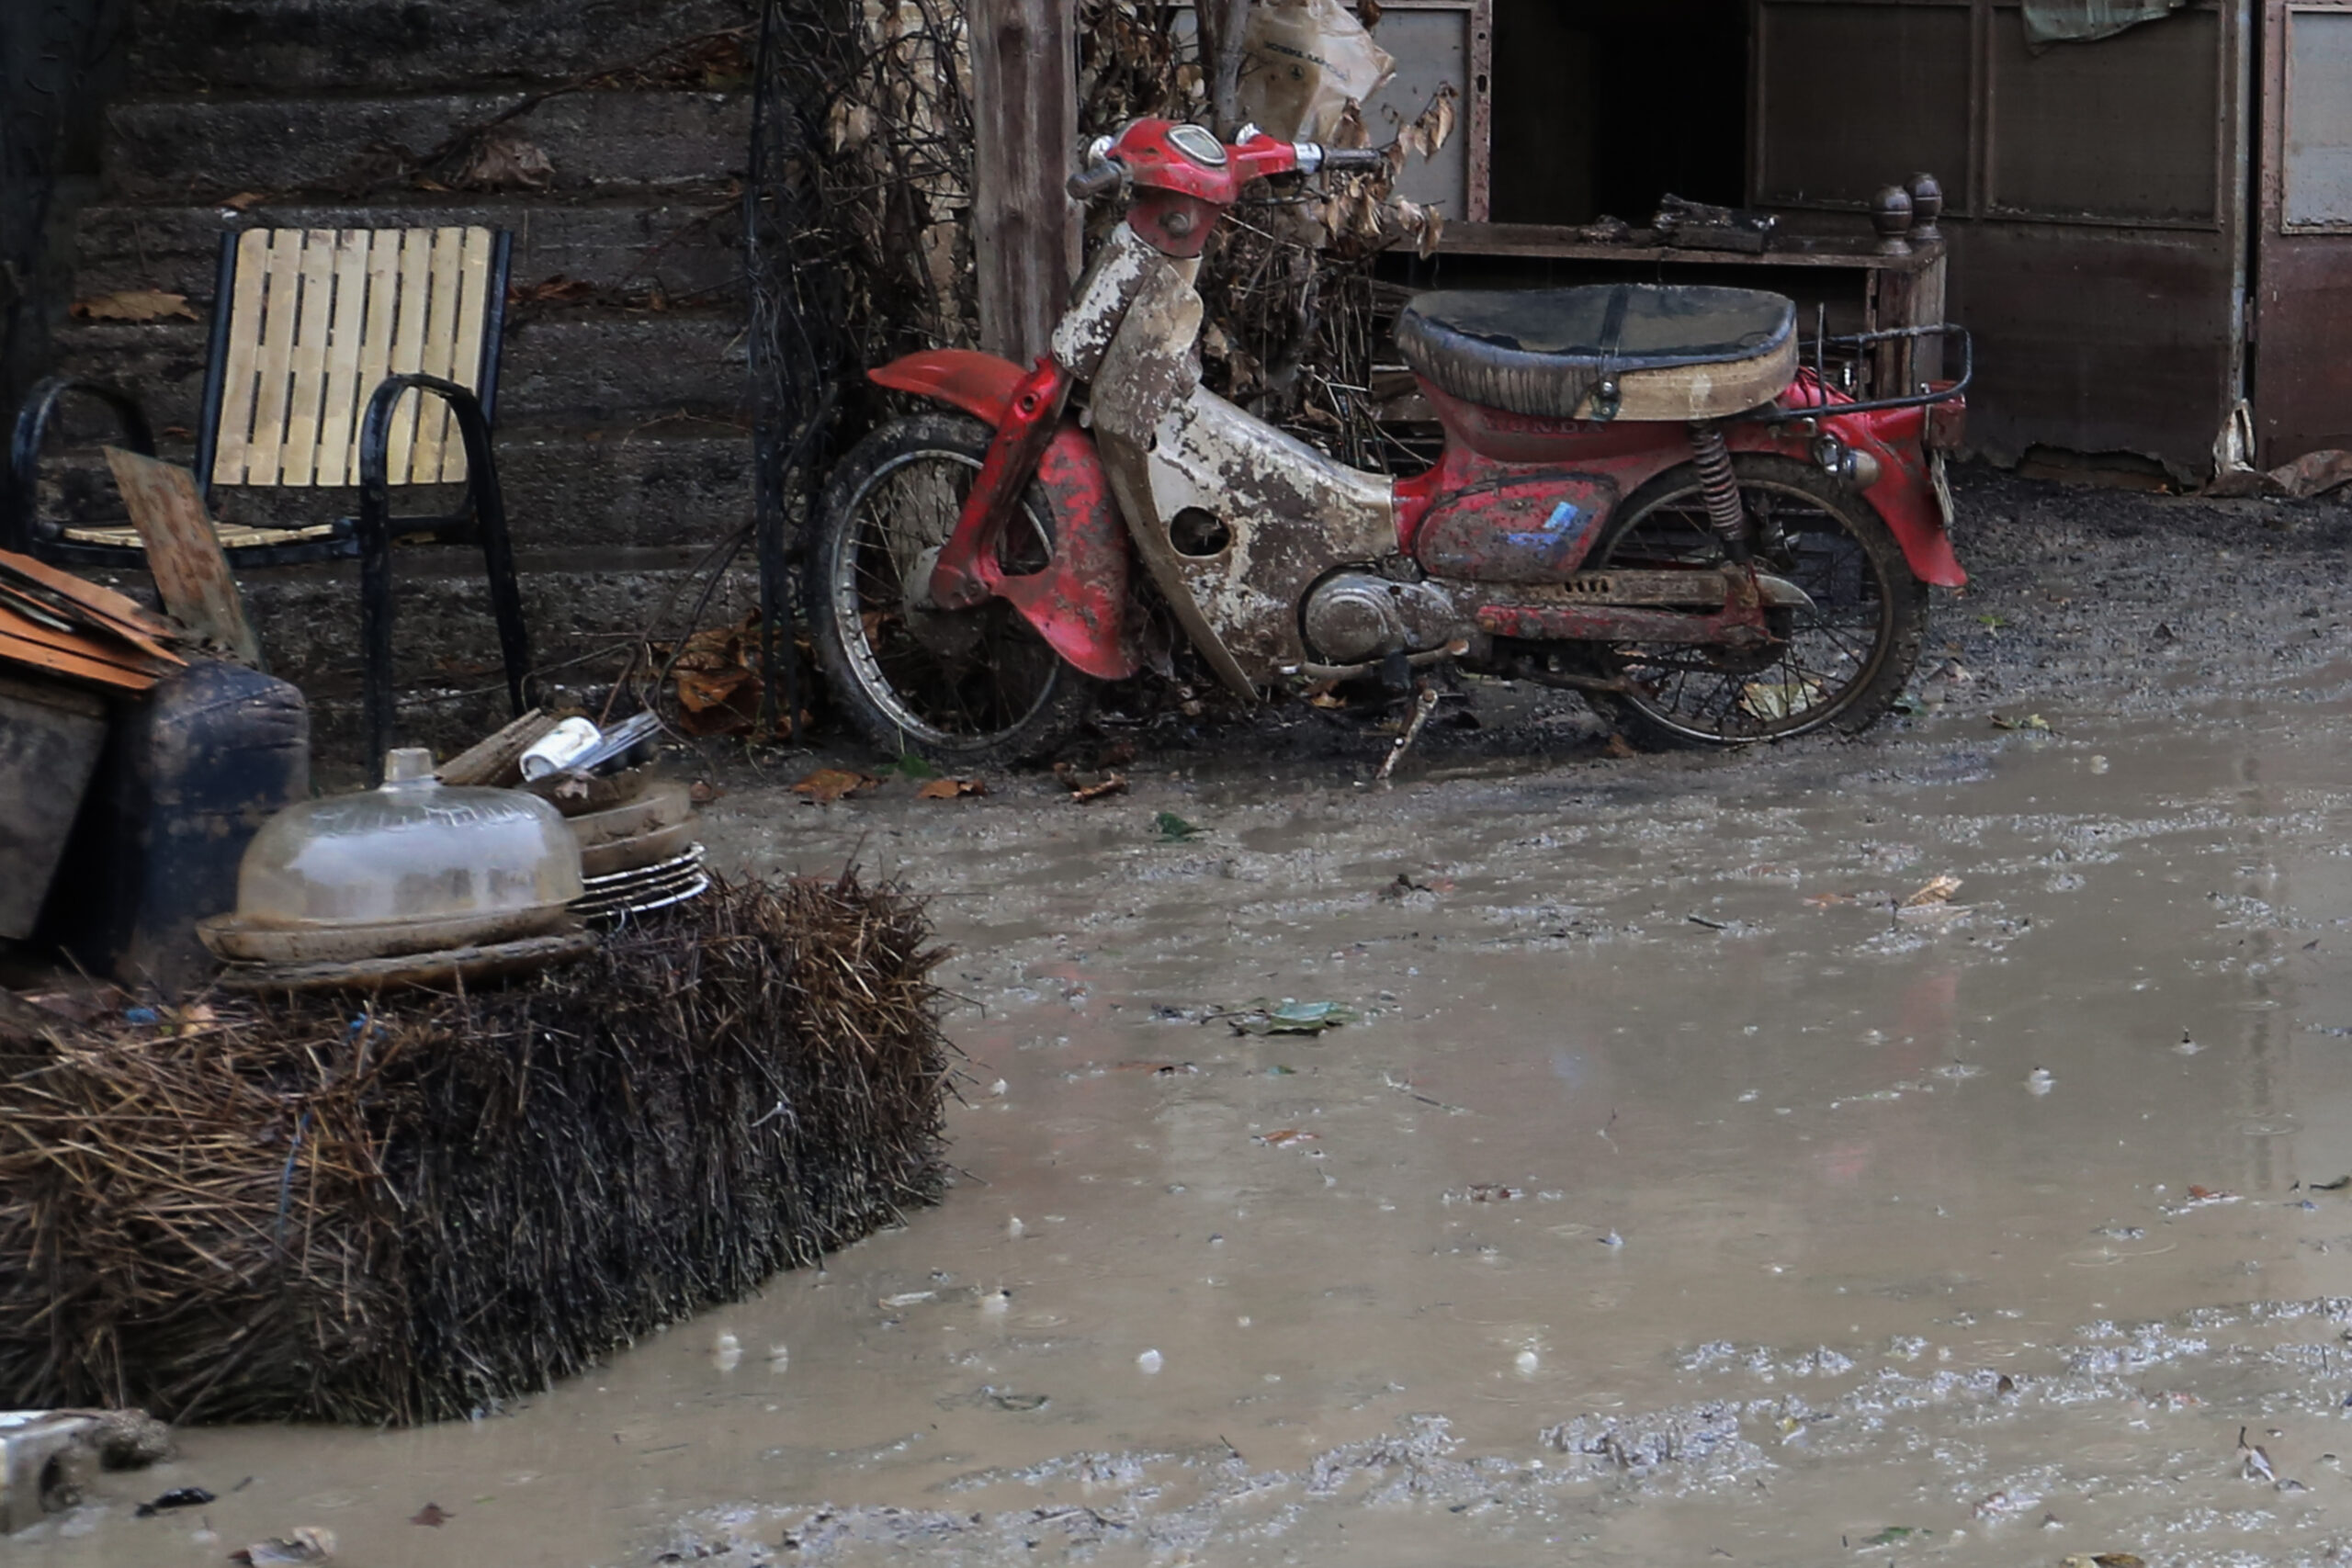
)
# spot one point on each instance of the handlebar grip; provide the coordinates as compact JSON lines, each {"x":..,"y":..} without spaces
{"x":1354,"y":160}
{"x":1097,"y":179}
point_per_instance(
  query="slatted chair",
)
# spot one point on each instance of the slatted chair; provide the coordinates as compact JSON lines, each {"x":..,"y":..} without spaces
{"x":325,"y":345}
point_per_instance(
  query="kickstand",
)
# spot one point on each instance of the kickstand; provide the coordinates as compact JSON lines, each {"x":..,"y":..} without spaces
{"x":1423,"y":706}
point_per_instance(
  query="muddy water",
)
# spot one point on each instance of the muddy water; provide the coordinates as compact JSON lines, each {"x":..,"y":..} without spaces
{"x":1671,"y":1192}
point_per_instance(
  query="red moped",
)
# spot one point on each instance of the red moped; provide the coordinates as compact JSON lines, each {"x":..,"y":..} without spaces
{"x":1644,"y":495}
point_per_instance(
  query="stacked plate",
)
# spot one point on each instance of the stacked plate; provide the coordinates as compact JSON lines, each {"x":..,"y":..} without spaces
{"x":611,"y":899}
{"x":637,"y":848}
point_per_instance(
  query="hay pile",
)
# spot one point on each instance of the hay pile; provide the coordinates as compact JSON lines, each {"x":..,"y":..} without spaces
{"x":406,"y":1211}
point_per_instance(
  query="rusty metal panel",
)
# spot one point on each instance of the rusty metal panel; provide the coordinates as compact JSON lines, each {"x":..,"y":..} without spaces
{"x":2128,"y":128}
{"x":2096,"y":340}
{"x":1851,"y":94}
{"x":2302,"y":361}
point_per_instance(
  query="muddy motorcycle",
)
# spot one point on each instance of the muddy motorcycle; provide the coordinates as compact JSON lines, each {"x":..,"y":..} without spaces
{"x":1644,"y":495}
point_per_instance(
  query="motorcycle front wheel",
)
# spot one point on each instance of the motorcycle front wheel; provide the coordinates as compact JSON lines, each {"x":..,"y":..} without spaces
{"x":972,"y":688}
{"x":1839,"y":665}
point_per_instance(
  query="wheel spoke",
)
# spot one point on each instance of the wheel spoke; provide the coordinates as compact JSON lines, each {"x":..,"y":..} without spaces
{"x":1830,"y":652}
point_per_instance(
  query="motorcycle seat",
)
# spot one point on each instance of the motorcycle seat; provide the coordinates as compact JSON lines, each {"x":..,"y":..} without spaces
{"x":1672,"y":351}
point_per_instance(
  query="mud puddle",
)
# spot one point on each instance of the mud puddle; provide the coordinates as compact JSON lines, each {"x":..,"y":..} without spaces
{"x":1670,"y":1190}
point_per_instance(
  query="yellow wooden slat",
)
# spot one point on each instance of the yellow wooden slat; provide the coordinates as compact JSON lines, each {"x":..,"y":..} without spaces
{"x":273,"y":366}
{"x":473,"y":312}
{"x":376,"y":330}
{"x":440,"y":352}
{"x":339,"y":404}
{"x":409,"y":342}
{"x":234,"y":433}
{"x":298,"y":462}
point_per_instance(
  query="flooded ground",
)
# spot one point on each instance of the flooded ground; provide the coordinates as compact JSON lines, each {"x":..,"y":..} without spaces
{"x":1671,"y":1192}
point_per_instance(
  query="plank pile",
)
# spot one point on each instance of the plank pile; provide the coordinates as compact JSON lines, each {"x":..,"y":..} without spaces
{"x":55,"y":622}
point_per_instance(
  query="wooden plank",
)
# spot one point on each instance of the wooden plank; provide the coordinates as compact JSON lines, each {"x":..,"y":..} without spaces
{"x":473,"y":315}
{"x":299,"y":460}
{"x":120,"y":608}
{"x":234,"y":433}
{"x":494,"y":758}
{"x":274,"y":364}
{"x":17,"y":618}
{"x":440,"y":354}
{"x":1024,"y":122}
{"x":376,"y":334}
{"x":184,"y":553}
{"x":408,"y":341}
{"x":339,"y":404}
{"x":14,"y":650}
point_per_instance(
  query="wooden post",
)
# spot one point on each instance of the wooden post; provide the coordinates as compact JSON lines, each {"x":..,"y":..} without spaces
{"x":1024,"y":123}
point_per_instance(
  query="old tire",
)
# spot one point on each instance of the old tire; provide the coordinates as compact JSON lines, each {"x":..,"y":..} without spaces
{"x":1844,"y":663}
{"x":965,"y":689}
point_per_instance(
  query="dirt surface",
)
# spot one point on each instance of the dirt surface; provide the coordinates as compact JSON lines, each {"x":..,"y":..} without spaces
{"x":1670,"y":1192}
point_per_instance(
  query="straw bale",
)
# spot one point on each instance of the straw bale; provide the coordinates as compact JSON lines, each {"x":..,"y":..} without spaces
{"x":410,"y":1209}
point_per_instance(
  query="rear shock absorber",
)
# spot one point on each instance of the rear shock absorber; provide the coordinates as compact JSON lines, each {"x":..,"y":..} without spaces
{"x":1725,"y":514}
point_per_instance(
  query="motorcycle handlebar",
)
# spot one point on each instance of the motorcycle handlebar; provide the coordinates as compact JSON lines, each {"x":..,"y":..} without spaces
{"x":1097,"y":179}
{"x":1354,"y":160}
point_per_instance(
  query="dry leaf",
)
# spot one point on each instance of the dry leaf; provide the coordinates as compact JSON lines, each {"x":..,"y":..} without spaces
{"x":950,"y":789}
{"x":1940,"y":891}
{"x":1288,"y":1138}
{"x":307,"y":1544}
{"x":1621,"y":747}
{"x":828,"y":784}
{"x":133,"y":305}
{"x":506,"y":162}
{"x":245,"y":200}
{"x":556,"y":289}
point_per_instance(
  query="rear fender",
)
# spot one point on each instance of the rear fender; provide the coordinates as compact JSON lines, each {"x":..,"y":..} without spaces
{"x":1905,"y":493}
{"x":1079,"y":602}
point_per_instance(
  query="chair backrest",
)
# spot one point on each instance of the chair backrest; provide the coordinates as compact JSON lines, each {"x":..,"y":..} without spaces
{"x":306,"y":323}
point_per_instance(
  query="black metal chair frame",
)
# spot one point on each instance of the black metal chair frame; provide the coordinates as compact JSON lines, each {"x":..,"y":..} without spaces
{"x":480,"y":516}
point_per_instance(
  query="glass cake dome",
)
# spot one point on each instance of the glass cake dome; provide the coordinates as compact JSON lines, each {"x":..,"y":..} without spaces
{"x":412,"y":850}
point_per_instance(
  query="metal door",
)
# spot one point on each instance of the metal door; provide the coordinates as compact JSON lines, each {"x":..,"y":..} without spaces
{"x":2303,"y":349}
{"x":2096,"y":199}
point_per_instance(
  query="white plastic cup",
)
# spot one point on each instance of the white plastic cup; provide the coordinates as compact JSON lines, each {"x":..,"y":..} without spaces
{"x":554,"y":751}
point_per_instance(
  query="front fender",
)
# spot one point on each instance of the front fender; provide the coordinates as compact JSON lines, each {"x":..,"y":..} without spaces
{"x":981,"y":384}
{"x":1079,"y":602}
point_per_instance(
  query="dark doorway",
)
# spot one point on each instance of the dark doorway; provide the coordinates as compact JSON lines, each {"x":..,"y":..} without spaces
{"x":1603,"y":108}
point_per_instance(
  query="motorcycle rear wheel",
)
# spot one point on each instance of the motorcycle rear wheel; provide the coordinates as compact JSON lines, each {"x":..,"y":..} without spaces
{"x":973,"y":688}
{"x":1841,"y":664}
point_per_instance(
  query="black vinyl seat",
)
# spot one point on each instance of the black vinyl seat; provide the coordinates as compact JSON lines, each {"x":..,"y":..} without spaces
{"x":1544,"y":352}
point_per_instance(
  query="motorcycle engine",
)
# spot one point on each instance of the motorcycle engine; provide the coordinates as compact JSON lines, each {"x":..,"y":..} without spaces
{"x":1355,"y":617}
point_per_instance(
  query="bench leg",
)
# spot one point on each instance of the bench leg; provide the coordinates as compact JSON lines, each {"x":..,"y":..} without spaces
{"x":375,"y":630}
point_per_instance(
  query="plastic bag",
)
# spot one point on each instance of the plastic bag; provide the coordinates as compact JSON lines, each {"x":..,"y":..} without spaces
{"x":1304,"y":62}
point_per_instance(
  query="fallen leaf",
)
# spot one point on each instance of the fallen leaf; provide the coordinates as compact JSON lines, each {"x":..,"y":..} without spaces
{"x":133,"y":305}
{"x":1288,"y":1138}
{"x":1621,"y":747}
{"x":245,"y":200}
{"x":828,"y":785}
{"x":2030,"y":721}
{"x":702,"y":792}
{"x":178,"y":1497}
{"x":307,"y":1544}
{"x":1080,"y":792}
{"x":432,"y":1514}
{"x":1894,"y":1533}
{"x":1940,"y":891}
{"x":549,"y":290}
{"x":1290,"y":1018}
{"x":506,"y":162}
{"x":1825,"y":901}
{"x":1174,"y":829}
{"x":950,"y":789}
